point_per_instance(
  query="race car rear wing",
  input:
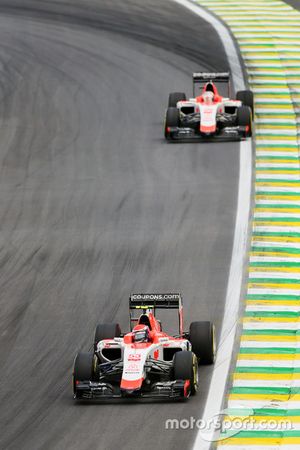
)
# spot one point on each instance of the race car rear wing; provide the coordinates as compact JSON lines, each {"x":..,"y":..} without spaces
{"x":201,"y":78}
{"x":151,"y":302}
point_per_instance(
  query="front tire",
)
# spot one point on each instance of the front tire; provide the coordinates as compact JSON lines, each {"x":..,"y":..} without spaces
{"x":202,"y":338}
{"x":246,"y":97}
{"x":244,"y":118}
{"x":84,"y":366}
{"x":175,"y":97}
{"x":106,"y":331}
{"x":172,"y":120}
{"x":185,"y":367}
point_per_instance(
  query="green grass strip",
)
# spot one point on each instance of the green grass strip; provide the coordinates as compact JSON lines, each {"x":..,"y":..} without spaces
{"x":261,"y":434}
{"x":278,"y":180}
{"x":275,"y":264}
{"x":278,"y":193}
{"x":261,"y":390}
{"x":268,"y":350}
{"x":274,"y":169}
{"x":272,"y":297}
{"x":272,"y":145}
{"x":293,"y":251}
{"x":274,"y":234}
{"x":279,"y":158}
{"x":279,"y":206}
{"x":262,"y":412}
{"x":260,"y":332}
{"x":279,"y":314}
{"x":276,"y":219}
{"x":274,"y":280}
{"x":268,"y":370}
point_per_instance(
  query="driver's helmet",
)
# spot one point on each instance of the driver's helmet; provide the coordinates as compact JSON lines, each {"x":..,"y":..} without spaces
{"x":141,"y":333}
{"x":208,"y":97}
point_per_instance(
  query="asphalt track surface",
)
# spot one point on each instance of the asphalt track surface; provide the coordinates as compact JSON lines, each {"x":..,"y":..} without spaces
{"x":294,"y":3}
{"x":95,"y":205}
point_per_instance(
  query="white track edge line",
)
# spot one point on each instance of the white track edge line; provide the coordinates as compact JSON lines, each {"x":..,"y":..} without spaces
{"x":214,"y":401}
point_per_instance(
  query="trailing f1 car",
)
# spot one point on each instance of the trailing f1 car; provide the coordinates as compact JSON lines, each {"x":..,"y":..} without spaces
{"x":146,"y":362}
{"x":209,"y":115}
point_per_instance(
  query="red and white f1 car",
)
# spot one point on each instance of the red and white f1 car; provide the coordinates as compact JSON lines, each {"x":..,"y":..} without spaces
{"x":209,"y":115}
{"x":146,"y":362}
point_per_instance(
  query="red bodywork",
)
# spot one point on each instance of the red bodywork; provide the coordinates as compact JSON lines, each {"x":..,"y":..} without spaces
{"x":155,"y":336}
{"x":155,"y":333}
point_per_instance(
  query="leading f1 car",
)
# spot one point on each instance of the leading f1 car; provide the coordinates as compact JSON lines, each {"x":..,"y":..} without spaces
{"x":145,"y":362}
{"x":209,"y":115}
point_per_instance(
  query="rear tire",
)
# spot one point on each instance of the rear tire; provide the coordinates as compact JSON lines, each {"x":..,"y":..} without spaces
{"x":185,"y":367}
{"x":202,"y":338}
{"x":175,"y":97}
{"x":106,"y":331}
{"x":244,"y":118}
{"x":246,"y":97}
{"x":172,"y":120}
{"x":84,"y":366}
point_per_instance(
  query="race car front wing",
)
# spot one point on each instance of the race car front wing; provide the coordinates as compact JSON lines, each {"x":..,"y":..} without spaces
{"x":231,"y":133}
{"x":176,"y":390}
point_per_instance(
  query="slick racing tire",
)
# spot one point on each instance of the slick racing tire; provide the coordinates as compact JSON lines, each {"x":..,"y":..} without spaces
{"x":106,"y":331}
{"x":175,"y":97}
{"x":84,"y":366}
{"x":244,"y":118}
{"x":172,"y":120}
{"x":246,"y":97}
{"x":185,"y":367}
{"x":202,"y":338}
